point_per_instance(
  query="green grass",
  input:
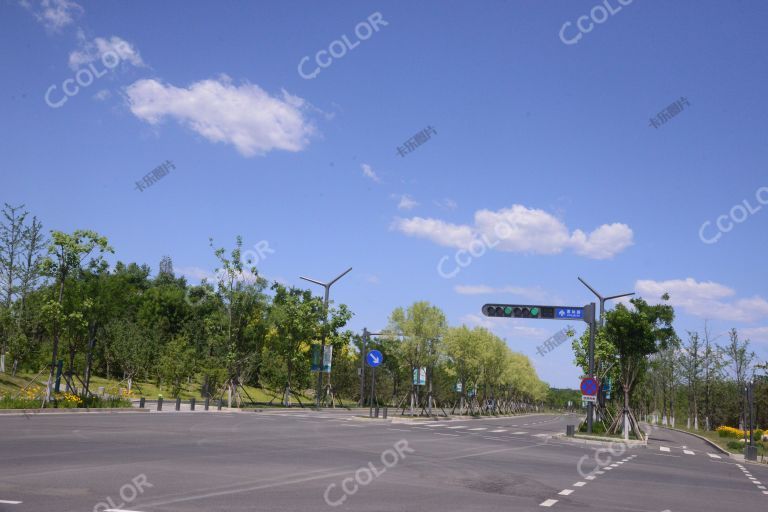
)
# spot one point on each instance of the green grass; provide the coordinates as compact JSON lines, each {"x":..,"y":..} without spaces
{"x":12,"y":386}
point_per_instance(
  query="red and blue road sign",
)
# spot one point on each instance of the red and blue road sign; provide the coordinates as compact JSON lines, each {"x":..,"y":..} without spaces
{"x":589,"y":386}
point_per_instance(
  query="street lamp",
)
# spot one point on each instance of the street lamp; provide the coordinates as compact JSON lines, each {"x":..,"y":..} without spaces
{"x":327,"y":287}
{"x":590,"y":410}
{"x":603,"y":299}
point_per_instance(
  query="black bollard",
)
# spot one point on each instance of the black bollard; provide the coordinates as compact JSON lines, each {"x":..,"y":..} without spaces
{"x":191,"y":404}
{"x":178,"y":403}
{"x":207,"y":402}
{"x":385,"y":412}
{"x":160,"y":403}
{"x":221,"y":403}
{"x":142,"y":401}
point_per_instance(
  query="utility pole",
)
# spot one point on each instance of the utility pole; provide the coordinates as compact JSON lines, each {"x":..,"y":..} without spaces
{"x":327,"y":287}
{"x":590,"y":314}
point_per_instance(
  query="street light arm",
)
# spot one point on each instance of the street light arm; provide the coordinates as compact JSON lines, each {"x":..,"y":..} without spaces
{"x":617,"y":296}
{"x":340,"y":276}
{"x":311,"y":280}
{"x":591,"y":289}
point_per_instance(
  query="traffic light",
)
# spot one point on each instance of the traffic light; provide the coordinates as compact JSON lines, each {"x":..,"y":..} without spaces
{"x":518,"y":311}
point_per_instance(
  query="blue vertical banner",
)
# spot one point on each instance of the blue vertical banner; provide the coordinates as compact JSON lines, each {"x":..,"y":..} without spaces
{"x":327,"y":357}
{"x":316,"y":358}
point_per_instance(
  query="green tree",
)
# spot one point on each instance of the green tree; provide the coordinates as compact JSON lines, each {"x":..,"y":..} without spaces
{"x":177,"y":363}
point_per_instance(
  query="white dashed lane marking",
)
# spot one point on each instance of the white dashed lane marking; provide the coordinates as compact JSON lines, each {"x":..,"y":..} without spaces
{"x":664,"y":448}
{"x":688,"y":452}
{"x":498,"y":430}
{"x":479,"y":428}
{"x":714,"y":456}
{"x":457,"y":426}
{"x":580,"y":484}
{"x":10,"y":502}
{"x":565,"y":492}
{"x":547,"y":503}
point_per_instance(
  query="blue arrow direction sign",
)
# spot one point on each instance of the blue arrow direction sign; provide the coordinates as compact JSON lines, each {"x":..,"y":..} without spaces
{"x":374,"y":358}
{"x":569,"y":313}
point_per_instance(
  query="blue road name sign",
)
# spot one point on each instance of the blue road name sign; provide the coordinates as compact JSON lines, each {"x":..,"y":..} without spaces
{"x":374,"y":358}
{"x":569,"y":313}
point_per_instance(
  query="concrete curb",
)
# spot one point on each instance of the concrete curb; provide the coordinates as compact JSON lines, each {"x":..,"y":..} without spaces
{"x":27,"y":412}
{"x":417,"y":420}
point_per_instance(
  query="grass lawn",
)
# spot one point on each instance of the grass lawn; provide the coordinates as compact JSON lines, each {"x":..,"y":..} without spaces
{"x":11,"y":386}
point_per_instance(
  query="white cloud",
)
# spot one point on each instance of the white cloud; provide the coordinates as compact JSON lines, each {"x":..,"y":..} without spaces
{"x":534,"y":294}
{"x":369,"y":173}
{"x":521,"y":229}
{"x":755,"y":334}
{"x":54,"y":14}
{"x":102,"y":95}
{"x":405,"y":202}
{"x":446,"y":203}
{"x":439,"y":232}
{"x":244,"y":116}
{"x":107,"y":49}
{"x":505,"y":326}
{"x":704,"y":299}
{"x":372,"y":279}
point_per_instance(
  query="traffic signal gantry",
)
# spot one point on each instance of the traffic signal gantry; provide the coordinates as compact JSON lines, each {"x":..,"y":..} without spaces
{"x":585,"y":313}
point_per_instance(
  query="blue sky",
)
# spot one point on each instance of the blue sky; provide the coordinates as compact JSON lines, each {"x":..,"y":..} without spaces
{"x":543,"y":156}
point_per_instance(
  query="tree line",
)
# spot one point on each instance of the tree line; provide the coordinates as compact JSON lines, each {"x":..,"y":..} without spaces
{"x":63,"y":303}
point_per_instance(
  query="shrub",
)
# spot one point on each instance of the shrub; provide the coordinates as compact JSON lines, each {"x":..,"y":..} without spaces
{"x":734,"y":433}
{"x":759,"y":434}
{"x":735,"y":445}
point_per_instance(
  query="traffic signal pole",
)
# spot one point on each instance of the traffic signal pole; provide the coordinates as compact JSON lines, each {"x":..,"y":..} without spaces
{"x":589,"y":313}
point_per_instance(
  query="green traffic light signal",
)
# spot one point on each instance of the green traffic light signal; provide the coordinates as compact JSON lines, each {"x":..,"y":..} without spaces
{"x":507,"y":310}
{"x":534,"y":311}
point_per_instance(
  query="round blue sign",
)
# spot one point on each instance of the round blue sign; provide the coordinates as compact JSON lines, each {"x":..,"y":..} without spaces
{"x":589,"y":386}
{"x":374,"y":358}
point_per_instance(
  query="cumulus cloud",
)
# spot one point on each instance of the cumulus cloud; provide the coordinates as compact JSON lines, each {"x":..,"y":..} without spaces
{"x":405,"y":202}
{"x":446,"y":203}
{"x":212,"y":277}
{"x":101,"y":48}
{"x":437,"y":231}
{"x":704,"y":299}
{"x":244,"y":116}
{"x":54,"y":14}
{"x":368,"y":172}
{"x":521,"y":229}
{"x":506,"y":326}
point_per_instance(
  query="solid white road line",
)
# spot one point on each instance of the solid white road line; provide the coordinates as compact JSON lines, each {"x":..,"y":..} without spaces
{"x":479,"y":428}
{"x":565,"y":492}
{"x":498,"y":430}
{"x":547,"y":503}
{"x":688,"y":452}
{"x":457,"y":426}
{"x":663,"y":448}
{"x":714,"y":456}
{"x":10,"y":502}
{"x":580,"y":484}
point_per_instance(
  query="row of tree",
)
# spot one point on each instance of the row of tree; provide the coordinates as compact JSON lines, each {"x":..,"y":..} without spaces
{"x":659,"y":375}
{"x":61,"y":300}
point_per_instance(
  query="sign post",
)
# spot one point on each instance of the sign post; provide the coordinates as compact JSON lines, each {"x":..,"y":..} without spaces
{"x":374,"y":359}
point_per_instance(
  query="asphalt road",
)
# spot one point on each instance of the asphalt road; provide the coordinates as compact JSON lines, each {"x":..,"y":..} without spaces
{"x":318,"y":461}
